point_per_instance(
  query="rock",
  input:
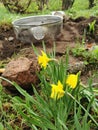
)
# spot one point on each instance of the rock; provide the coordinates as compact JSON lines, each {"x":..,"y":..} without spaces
{"x":10,"y":39}
{"x":76,"y":67}
{"x":22,"y":71}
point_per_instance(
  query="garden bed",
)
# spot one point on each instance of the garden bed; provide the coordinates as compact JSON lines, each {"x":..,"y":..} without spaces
{"x":78,"y":38}
{"x":75,"y":31}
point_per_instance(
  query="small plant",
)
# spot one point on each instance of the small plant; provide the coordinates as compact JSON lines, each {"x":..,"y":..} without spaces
{"x":80,"y":51}
{"x":9,"y":119}
{"x":95,"y":52}
{"x":92,"y":27}
{"x":88,"y":56}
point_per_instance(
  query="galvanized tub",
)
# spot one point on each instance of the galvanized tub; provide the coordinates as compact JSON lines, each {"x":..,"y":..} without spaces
{"x":40,"y":28}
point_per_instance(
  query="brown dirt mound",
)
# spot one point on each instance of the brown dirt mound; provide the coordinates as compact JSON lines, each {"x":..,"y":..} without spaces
{"x":73,"y":31}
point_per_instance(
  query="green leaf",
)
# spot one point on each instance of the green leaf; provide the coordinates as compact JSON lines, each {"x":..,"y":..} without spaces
{"x":62,"y":124}
{"x":1,"y":126}
{"x":77,"y":123}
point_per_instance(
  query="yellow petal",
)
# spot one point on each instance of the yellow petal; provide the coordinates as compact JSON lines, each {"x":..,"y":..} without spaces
{"x":43,"y":59}
{"x":72,"y":80}
{"x":57,"y":91}
{"x":54,"y":92}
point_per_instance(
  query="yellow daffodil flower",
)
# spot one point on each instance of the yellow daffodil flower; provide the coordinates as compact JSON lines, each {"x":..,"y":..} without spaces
{"x":72,"y":80}
{"x":57,"y":91}
{"x":43,"y":60}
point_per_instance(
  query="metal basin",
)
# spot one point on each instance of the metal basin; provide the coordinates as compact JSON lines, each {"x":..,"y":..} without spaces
{"x":40,"y":28}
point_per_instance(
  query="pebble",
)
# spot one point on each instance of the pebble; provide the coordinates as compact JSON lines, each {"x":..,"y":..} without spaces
{"x":10,"y":39}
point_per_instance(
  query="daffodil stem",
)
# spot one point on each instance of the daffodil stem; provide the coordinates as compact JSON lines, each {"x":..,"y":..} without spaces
{"x":52,"y":59}
{"x":83,"y":108}
{"x":2,"y":78}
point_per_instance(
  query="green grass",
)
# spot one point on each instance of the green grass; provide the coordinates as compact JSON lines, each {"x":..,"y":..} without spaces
{"x":6,"y":16}
{"x":80,"y":8}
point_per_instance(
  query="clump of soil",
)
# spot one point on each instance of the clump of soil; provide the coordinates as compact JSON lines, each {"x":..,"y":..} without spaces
{"x":74,"y":30}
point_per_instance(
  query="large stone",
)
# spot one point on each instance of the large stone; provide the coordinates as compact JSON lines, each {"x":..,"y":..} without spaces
{"x":22,"y":71}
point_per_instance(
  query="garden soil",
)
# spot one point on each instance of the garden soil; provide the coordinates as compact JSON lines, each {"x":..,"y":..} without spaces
{"x":74,"y":31}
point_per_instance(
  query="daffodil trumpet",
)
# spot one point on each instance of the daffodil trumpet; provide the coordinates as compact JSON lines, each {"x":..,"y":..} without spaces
{"x":43,"y":60}
{"x":57,"y":90}
{"x":72,"y":80}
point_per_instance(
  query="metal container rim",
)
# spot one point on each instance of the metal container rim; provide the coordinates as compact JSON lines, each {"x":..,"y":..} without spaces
{"x":58,"y":19}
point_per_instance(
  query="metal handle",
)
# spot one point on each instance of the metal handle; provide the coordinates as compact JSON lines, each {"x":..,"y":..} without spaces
{"x":39,"y":32}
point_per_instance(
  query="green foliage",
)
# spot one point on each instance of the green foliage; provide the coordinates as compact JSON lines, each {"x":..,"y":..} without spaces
{"x":92,"y":27}
{"x":1,"y":126}
{"x":89,"y":56}
{"x":72,"y":111}
{"x":81,"y":126}
{"x":95,"y":52}
{"x":40,"y":111}
{"x":7,"y":114}
{"x":80,"y":8}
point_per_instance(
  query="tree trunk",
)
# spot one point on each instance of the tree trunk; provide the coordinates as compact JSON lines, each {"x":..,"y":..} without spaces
{"x":66,"y":4}
{"x":91,"y":3}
